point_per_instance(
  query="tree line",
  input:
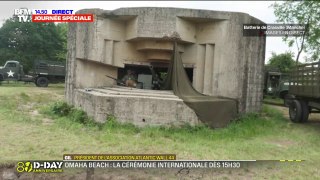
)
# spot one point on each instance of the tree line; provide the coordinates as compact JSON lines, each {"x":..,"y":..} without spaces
{"x":298,"y":12}
{"x":27,"y":42}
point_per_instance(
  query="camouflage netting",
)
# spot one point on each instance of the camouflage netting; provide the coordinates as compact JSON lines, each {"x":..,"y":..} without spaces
{"x":215,"y":111}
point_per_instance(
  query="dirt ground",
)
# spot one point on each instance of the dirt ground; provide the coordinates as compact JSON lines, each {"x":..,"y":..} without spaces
{"x":313,"y":118}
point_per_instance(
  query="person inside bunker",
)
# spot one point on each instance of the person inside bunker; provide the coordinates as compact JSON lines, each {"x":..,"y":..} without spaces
{"x":130,"y":79}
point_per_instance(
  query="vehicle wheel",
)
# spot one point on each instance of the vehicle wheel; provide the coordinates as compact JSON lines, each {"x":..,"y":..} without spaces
{"x":42,"y":82}
{"x":305,"y":111}
{"x":295,"y":111}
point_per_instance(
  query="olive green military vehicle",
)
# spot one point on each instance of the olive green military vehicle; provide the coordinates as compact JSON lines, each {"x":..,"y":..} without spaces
{"x":304,"y":92}
{"x":276,"y":83}
{"x":42,"y":73}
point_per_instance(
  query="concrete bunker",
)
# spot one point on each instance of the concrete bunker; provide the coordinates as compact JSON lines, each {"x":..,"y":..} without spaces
{"x":218,"y":59}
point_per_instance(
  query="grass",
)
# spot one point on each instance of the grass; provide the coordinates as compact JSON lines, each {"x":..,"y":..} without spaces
{"x":273,"y":100}
{"x":26,"y":135}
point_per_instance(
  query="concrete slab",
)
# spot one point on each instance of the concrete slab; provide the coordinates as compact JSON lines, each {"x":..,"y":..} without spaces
{"x":136,"y":106}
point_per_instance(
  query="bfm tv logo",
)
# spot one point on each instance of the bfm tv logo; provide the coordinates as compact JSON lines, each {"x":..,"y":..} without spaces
{"x":40,"y":166}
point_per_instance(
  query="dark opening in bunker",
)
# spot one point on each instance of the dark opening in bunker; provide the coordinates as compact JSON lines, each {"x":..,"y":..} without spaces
{"x":189,"y":72}
{"x":144,"y":75}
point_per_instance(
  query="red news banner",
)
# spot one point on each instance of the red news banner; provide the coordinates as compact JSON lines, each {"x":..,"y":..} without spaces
{"x":62,"y":17}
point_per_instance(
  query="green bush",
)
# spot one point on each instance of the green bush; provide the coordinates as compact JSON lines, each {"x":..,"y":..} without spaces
{"x":112,"y":122}
{"x":79,"y":116}
{"x":61,"y":108}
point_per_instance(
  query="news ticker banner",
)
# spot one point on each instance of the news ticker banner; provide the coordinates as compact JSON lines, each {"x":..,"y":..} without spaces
{"x":98,"y":157}
{"x":51,"y":15}
{"x":135,"y":161}
{"x":275,"y":29}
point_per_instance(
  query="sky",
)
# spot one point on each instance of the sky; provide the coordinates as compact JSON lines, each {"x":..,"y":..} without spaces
{"x":258,"y":9}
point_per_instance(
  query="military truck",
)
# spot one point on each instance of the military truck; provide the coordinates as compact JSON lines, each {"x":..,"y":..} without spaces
{"x":304,"y":92}
{"x":272,"y":79}
{"x":41,"y":74}
{"x":276,"y":83}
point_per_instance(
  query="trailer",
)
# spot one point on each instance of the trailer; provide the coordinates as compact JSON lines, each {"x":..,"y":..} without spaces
{"x":48,"y":71}
{"x":304,"y":92}
{"x":42,"y":73}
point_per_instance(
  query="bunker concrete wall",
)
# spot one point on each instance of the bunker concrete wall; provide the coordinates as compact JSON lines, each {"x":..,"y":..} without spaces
{"x":225,"y":62}
{"x":140,"y":110}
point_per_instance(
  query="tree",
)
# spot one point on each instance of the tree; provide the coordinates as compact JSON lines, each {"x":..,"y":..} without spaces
{"x":284,"y":61}
{"x":63,"y":31}
{"x":301,"y":12}
{"x":27,"y":42}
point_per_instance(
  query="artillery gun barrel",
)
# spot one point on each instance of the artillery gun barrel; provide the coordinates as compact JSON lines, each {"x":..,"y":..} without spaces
{"x":117,"y":80}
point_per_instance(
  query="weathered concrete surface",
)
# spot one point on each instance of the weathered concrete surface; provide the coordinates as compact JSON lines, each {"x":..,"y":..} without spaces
{"x":140,"y":107}
{"x":224,"y":62}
